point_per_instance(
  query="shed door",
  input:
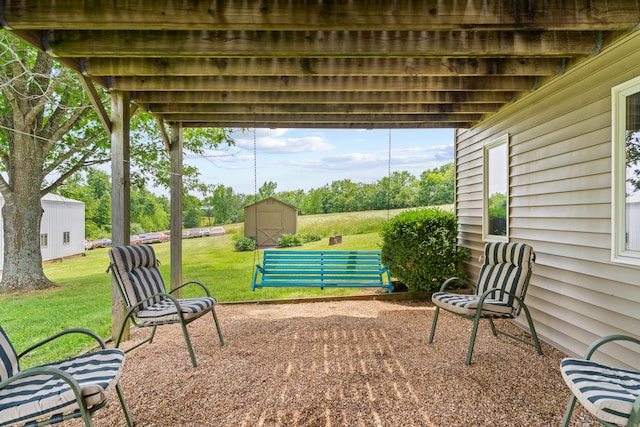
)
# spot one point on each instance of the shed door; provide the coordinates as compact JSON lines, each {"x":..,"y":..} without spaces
{"x":270,"y":227}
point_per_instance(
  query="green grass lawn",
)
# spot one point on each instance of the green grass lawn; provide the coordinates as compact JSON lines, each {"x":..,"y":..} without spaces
{"x":82,"y":297}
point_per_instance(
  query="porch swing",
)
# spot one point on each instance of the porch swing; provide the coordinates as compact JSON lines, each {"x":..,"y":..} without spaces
{"x":322,"y":269}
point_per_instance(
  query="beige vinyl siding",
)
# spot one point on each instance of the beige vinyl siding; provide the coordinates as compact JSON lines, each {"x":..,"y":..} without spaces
{"x":560,"y":201}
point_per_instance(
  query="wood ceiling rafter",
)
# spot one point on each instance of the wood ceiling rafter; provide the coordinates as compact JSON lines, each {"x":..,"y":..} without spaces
{"x":311,"y":66}
{"x":303,"y":15}
{"x":301,"y":97}
{"x":320,"y":84}
{"x":320,"y":63}
{"x":322,"y":108}
{"x":319,"y":44}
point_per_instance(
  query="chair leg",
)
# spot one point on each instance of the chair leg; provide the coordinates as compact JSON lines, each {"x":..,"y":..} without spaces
{"x":532,"y":329}
{"x":493,"y":327}
{"x":188,"y":341}
{"x":124,"y":405}
{"x":433,"y":325}
{"x":119,"y":337}
{"x":568,"y":412}
{"x":153,"y":334}
{"x":215,"y":319}
{"x":476,"y":321}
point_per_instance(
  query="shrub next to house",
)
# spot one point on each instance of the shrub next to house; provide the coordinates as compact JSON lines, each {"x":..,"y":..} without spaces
{"x":421,"y":248}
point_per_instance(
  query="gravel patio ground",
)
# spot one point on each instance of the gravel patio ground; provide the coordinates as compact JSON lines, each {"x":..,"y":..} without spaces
{"x":339,"y":363}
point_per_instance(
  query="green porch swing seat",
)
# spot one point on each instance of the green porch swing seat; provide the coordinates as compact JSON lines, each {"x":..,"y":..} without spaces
{"x":48,"y":394}
{"x":610,"y":394}
{"x":135,"y":269}
{"x":499,"y":294}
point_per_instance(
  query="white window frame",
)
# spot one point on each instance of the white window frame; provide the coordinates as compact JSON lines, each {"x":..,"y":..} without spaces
{"x":618,"y":176}
{"x":502,"y":140}
{"x":44,"y":240}
{"x":66,"y":237}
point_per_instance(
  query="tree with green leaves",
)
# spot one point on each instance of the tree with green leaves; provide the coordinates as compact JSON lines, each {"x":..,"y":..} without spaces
{"x":48,"y":132}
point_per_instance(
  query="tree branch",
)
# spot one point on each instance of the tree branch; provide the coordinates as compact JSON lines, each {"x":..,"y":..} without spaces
{"x":61,"y":129}
{"x":70,"y":153}
{"x":60,"y":180}
{"x":40,"y":105}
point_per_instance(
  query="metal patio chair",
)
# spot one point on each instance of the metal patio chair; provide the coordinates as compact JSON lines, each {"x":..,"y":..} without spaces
{"x":610,"y":394}
{"x":55,"y":392}
{"x":499,"y":294}
{"x":135,"y":269}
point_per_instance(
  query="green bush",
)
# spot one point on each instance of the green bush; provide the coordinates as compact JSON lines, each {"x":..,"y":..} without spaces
{"x":421,"y":248}
{"x":288,"y":240}
{"x":245,"y":244}
{"x":309,"y":236}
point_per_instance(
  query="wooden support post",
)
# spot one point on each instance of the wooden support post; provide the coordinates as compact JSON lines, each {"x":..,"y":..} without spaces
{"x":175,"y":152}
{"x":120,"y":194}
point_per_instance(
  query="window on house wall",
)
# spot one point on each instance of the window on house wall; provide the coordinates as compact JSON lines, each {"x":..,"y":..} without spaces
{"x":495,"y":225}
{"x":66,"y":237}
{"x":626,"y":172}
{"x":44,"y":240}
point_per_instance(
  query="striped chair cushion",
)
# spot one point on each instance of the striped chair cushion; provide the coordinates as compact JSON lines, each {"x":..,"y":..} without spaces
{"x":468,"y":304}
{"x":8,"y":359}
{"x":136,"y":271}
{"x":608,"y":393}
{"x":42,"y":396}
{"x":165,"y":311}
{"x":506,"y":266}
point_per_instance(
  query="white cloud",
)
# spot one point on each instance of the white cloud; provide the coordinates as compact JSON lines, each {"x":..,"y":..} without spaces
{"x":275,"y":141}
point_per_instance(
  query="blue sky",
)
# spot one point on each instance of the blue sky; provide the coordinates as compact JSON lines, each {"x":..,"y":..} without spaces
{"x":310,"y":158}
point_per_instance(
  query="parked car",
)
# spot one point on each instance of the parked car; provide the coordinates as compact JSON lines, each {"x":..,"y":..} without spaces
{"x":102,"y":243}
{"x":217,"y":231}
{"x":194,"y":232}
{"x":204,"y":232}
{"x":134,"y":240}
{"x":150,"y":238}
{"x":88,"y":244}
{"x":185,"y":234}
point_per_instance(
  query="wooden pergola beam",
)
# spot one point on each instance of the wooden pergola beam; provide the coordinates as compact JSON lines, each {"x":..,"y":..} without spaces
{"x":319,"y":44}
{"x":91,"y":91}
{"x":320,"y":84}
{"x":318,"y":118}
{"x":324,"y":15}
{"x":323,"y":66}
{"x":347,"y":109}
{"x":350,"y":125}
{"x":225,"y":97}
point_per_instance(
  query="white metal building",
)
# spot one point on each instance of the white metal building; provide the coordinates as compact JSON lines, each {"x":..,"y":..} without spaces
{"x":61,"y":229}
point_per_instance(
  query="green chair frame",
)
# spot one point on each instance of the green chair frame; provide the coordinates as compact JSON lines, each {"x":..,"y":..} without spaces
{"x":634,"y":416}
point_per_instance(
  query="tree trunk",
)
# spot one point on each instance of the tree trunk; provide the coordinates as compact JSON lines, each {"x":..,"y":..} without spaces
{"x":21,"y":217}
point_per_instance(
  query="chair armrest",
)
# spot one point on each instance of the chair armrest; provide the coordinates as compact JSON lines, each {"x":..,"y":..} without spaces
{"x":192,"y":282}
{"x":88,"y":332}
{"x":448,"y":282}
{"x":601,"y":341}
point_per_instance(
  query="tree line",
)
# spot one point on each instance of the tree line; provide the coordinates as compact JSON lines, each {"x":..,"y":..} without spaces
{"x":219,"y":204}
